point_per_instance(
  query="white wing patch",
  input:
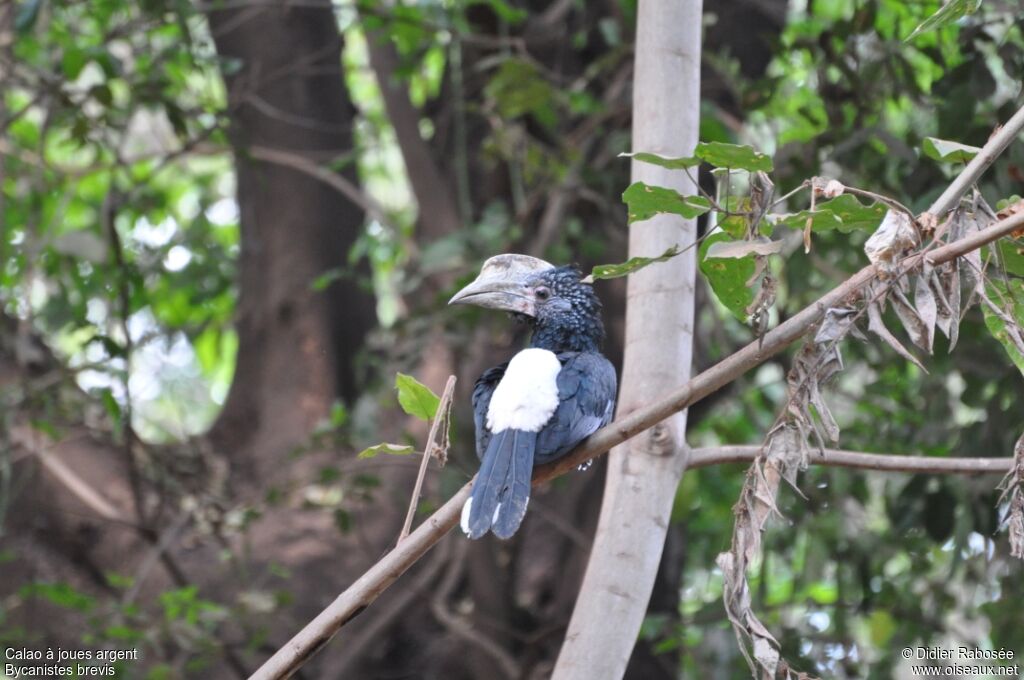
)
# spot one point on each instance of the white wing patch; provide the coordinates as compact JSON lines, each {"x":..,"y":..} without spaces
{"x":527,"y":395}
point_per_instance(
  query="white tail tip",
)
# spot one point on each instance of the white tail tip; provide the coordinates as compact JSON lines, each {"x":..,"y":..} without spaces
{"x":464,"y":522}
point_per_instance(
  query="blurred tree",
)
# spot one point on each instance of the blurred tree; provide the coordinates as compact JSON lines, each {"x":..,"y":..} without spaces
{"x":291,"y":120}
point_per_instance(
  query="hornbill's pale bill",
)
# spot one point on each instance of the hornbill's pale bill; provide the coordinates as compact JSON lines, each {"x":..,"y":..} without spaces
{"x":549,"y":397}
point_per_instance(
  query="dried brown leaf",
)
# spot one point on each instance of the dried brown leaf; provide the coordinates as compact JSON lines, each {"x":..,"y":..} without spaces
{"x":1015,"y":526}
{"x":894,"y":236}
{"x":877,"y":326}
{"x":762,"y":189}
{"x":826,"y":187}
{"x":1010,"y":211}
{"x":784,"y":454}
{"x":836,"y":324}
{"x":927,"y":222}
{"x":765,"y":297}
{"x":767,"y":656}
{"x":924,"y":302}
{"x":739,"y":249}
{"x":911,"y":320}
{"x":970,"y":264}
{"x":827,"y":421}
{"x":1012,"y":487}
{"x":945,"y":285}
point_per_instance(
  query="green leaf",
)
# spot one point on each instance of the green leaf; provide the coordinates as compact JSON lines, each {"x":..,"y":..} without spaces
{"x":518,"y":88}
{"x":102,"y":94}
{"x":1009,"y":297}
{"x":183,"y":604}
{"x":1007,"y":202}
{"x":72,"y":62}
{"x":60,"y":594}
{"x":822,"y":592}
{"x":736,"y":225}
{"x":324,"y":281}
{"x":342,"y":520}
{"x":952,"y":11}
{"x":947,"y":151}
{"x":123,"y":633}
{"x":389,"y":449}
{"x":1013,"y":256}
{"x":644,"y":202}
{"x":614,"y":271}
{"x":119,"y":581}
{"x":728,"y":277}
{"x":719,"y":154}
{"x":881,"y":627}
{"x":47,"y":428}
{"x":505,"y":11}
{"x":845,"y":213}
{"x":339,"y":414}
{"x":722,"y":155}
{"x":416,"y":398}
{"x":670,"y":163}
{"x":110,"y":404}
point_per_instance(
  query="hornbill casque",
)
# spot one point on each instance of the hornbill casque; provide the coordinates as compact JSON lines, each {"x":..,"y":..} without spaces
{"x":547,"y":398}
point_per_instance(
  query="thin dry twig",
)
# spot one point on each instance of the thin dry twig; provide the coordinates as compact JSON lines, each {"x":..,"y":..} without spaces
{"x":307,"y":166}
{"x":440,"y":425}
{"x":81,"y":489}
{"x":859,"y":460}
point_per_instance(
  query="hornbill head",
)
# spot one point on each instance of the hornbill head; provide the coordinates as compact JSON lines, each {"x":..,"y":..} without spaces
{"x":564,"y":311}
{"x":509,"y":282}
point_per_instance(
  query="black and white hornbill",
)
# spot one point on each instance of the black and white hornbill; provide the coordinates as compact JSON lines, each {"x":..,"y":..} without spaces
{"x":549,"y":397}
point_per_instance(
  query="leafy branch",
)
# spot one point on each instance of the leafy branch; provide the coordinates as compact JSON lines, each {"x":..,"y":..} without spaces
{"x":787,"y":447}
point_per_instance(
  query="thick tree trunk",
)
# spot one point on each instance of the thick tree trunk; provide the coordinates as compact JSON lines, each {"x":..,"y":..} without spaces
{"x":644,"y":473}
{"x":297,"y":346}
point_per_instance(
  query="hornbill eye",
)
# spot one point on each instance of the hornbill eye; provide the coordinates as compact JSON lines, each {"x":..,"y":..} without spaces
{"x":542,"y":293}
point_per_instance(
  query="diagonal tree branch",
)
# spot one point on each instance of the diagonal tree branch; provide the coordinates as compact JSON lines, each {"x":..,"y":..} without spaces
{"x":307,"y":166}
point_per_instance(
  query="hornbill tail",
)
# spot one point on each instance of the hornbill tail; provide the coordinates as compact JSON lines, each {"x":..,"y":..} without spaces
{"x":502,"y":488}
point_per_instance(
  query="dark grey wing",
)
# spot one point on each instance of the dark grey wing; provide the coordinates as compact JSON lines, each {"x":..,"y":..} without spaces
{"x":586,"y":392}
{"x":482,"y":392}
